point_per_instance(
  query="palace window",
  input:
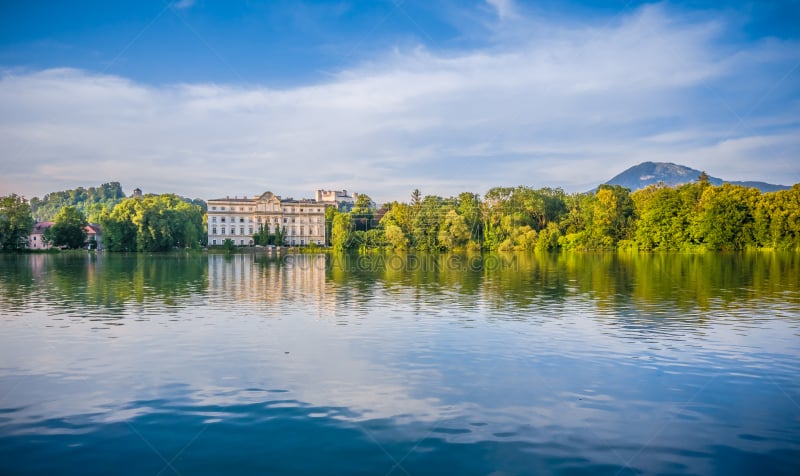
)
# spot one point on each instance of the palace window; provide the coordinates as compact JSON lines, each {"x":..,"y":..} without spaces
{"x":241,"y":220}
{"x":222,"y":219}
{"x":214,"y":231}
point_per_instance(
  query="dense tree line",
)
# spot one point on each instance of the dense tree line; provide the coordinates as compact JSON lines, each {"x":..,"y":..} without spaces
{"x":92,"y":202}
{"x":89,"y":201}
{"x":689,"y":217}
{"x":693,"y":216}
{"x":153,"y":223}
{"x":149,"y":223}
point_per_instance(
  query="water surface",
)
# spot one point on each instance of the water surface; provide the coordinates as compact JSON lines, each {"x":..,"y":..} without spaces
{"x":397,"y":364}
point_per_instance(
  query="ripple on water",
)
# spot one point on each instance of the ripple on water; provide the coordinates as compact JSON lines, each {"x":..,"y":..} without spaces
{"x":267,"y":367}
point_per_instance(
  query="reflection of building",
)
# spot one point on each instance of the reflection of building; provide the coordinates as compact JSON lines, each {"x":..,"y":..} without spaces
{"x":343,"y":201}
{"x":243,"y":278}
{"x":302,"y":222}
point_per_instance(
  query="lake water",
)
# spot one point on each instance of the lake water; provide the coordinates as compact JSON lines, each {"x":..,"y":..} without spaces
{"x":400,"y":365}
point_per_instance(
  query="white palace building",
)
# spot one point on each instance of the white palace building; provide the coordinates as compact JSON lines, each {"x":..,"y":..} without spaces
{"x":238,"y":219}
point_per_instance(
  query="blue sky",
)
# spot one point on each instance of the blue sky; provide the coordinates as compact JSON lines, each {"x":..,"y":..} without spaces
{"x":212,"y":98}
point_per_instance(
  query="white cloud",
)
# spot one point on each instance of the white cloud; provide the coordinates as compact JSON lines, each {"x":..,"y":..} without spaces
{"x":568,"y":107}
{"x":504,"y":8}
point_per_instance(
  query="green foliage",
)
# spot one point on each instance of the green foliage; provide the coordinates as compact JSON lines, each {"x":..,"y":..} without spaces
{"x":90,"y":201}
{"x":453,"y":232}
{"x":373,"y":238}
{"x":612,"y":217}
{"x":342,"y":232}
{"x":725,"y":219}
{"x":228,"y":245}
{"x":153,"y":223}
{"x":469,"y":207}
{"x":395,"y":237}
{"x":400,"y":215}
{"x":16,"y":222}
{"x":264,"y":238}
{"x":362,"y":213}
{"x":330,"y":212}
{"x":548,"y":238}
{"x":777,"y":219}
{"x":69,"y":230}
{"x":688,"y":217}
{"x":514,"y":217}
{"x":425,"y":228}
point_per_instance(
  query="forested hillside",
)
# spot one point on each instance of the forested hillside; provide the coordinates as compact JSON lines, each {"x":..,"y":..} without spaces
{"x":89,"y":201}
{"x":93,"y":202}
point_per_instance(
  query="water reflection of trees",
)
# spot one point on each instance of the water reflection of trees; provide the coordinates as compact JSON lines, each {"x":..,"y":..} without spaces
{"x":636,"y":285}
{"x":633,"y":286}
{"x":110,"y":282}
{"x":16,"y":280}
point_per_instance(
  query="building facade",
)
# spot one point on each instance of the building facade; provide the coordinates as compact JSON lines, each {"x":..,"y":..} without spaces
{"x":302,"y":222}
{"x":340,"y":198}
{"x":36,"y":239}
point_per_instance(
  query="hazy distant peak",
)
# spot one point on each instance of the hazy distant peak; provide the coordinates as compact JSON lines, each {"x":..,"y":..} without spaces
{"x":648,"y":173}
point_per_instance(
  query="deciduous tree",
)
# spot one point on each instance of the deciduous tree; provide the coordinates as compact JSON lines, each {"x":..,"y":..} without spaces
{"x":69,"y":230}
{"x":16,"y":222}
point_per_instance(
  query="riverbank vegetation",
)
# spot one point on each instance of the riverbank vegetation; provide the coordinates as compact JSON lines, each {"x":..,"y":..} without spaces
{"x":691,"y":217}
{"x":153,"y":223}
